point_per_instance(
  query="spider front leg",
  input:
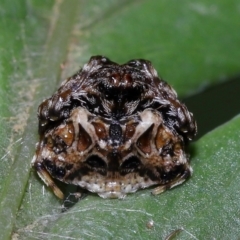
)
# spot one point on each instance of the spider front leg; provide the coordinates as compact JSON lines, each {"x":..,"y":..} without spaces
{"x":47,"y":179}
{"x":179,"y":179}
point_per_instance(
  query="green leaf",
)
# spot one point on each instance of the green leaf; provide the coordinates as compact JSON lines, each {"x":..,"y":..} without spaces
{"x":15,"y":171}
{"x":207,"y":206}
{"x":191,"y":44}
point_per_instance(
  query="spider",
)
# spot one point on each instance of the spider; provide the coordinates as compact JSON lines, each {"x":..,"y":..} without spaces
{"x":114,"y":129}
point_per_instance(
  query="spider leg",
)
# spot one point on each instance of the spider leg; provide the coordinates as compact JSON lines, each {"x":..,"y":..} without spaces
{"x":47,"y":179}
{"x":177,"y":181}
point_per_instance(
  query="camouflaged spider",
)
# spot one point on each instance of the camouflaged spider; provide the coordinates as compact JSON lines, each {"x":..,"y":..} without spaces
{"x":113,"y":129}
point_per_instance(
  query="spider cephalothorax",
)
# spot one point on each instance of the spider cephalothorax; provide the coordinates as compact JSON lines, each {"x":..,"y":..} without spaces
{"x":114,"y":129}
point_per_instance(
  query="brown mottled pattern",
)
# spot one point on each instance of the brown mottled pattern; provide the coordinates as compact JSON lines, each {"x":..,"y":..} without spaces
{"x":114,"y":129}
